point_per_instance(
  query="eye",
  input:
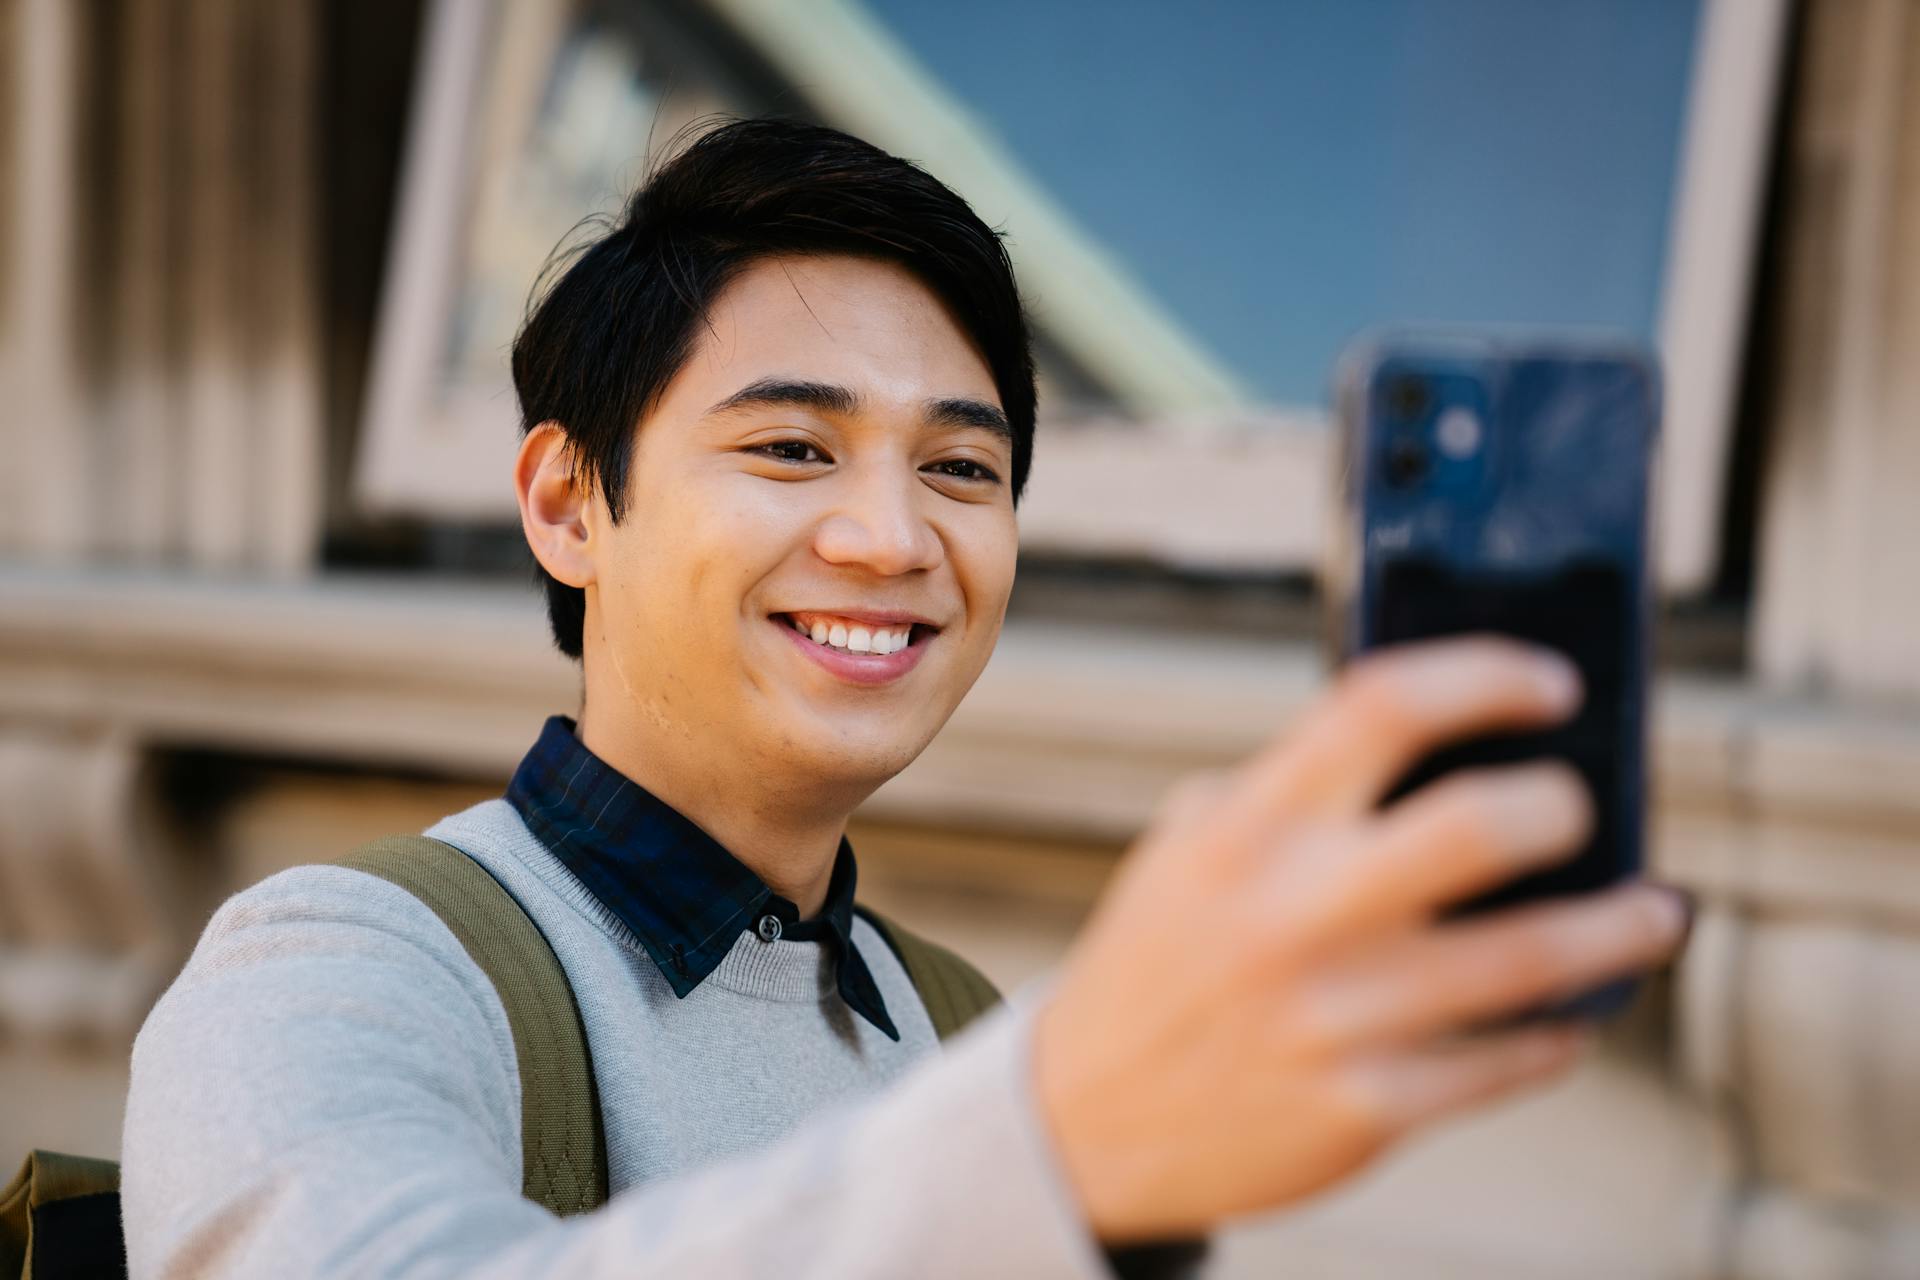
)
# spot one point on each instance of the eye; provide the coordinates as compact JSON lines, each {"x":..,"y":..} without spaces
{"x":795,"y":451}
{"x":968,"y":469}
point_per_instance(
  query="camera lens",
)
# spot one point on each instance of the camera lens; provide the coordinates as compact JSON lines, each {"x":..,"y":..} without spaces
{"x":1408,"y":398}
{"x":1458,"y":432}
{"x":1406,"y":463}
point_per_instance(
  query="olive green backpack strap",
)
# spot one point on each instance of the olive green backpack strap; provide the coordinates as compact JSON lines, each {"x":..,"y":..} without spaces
{"x":563,"y":1148}
{"x":60,"y":1220}
{"x":954,"y":992}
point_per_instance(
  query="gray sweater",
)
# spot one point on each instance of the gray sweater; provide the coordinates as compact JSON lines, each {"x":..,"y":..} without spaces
{"x":330,"y":1089}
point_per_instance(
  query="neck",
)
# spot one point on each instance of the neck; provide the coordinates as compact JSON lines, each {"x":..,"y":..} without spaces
{"x":786,"y":830}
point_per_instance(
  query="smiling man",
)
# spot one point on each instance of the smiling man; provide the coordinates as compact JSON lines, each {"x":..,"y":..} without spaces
{"x":776,"y":422}
{"x":811,"y":559}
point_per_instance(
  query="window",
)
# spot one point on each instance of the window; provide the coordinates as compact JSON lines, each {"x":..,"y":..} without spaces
{"x":1201,"y":210}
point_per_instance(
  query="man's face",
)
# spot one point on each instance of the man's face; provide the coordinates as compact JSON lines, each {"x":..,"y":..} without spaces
{"x":823,"y":468}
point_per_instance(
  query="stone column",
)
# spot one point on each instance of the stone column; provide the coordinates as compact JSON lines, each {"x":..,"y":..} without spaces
{"x":89,"y":921}
{"x":1798,"y":1017}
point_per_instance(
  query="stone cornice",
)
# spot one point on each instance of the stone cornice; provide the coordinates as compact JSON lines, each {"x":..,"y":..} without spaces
{"x":1072,"y":729}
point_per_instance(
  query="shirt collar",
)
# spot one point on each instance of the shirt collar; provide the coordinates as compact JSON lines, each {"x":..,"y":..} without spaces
{"x":681,"y":893}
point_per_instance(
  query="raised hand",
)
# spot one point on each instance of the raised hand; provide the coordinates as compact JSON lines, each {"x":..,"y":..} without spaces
{"x":1264,"y":999}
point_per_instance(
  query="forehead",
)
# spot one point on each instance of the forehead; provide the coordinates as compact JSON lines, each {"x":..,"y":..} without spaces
{"x":867,"y":324}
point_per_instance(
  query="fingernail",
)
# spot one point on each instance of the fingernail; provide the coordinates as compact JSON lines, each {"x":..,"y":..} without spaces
{"x":1559,"y":678}
{"x":1689,"y":908}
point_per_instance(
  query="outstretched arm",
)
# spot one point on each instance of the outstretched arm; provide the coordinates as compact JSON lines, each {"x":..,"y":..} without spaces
{"x":330,"y":1090}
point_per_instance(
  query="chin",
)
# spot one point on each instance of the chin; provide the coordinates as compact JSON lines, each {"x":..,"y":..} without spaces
{"x":844,"y":757}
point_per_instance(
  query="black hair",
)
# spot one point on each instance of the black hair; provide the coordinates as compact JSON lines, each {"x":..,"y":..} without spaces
{"x":612,"y":329}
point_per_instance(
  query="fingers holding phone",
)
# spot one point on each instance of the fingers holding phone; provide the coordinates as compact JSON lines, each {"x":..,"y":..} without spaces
{"x":1383,"y":717}
{"x":1270,"y":994}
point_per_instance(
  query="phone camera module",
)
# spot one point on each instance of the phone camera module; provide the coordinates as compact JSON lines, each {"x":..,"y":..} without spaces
{"x":1406,"y":463}
{"x":1408,"y":398}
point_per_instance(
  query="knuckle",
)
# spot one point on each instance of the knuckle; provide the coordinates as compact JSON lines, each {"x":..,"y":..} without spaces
{"x":1483,"y":657}
{"x":1515,"y":813}
{"x":1480,"y":974}
{"x":1468,"y":810}
{"x":1505,"y":672}
{"x":1301,"y":1027}
{"x":1537,"y":951}
{"x":1561,"y":777}
{"x":1363,"y":1098}
{"x":1506,"y":659}
{"x":1465,"y":814}
{"x":1304,"y":895}
{"x":1373,"y":692}
{"x":1318,"y":1017}
{"x":1565,"y":795}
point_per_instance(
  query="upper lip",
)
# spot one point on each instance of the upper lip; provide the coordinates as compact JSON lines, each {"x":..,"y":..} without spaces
{"x":873,"y":617}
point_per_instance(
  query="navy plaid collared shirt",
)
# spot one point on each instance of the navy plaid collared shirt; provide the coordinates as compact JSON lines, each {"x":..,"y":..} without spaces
{"x":681,"y":893}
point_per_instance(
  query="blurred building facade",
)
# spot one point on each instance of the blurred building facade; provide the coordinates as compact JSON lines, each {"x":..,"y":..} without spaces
{"x":257,"y":601}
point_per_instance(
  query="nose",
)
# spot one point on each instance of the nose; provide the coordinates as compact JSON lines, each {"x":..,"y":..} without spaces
{"x":880,"y":524}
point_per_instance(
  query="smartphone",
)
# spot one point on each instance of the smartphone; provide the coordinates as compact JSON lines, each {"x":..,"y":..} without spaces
{"x":1500,"y":482}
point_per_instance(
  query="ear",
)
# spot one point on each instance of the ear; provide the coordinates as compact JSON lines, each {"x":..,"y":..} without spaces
{"x":553,"y":503}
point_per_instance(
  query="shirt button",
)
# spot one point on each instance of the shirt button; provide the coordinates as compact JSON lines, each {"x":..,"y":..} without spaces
{"x":769,"y":927}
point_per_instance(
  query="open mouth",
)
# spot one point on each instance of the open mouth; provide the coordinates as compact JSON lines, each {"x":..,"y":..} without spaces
{"x":856,"y":637}
{"x":858,"y":651}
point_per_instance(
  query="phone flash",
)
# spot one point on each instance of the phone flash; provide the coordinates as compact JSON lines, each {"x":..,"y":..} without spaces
{"x":1458,"y":432}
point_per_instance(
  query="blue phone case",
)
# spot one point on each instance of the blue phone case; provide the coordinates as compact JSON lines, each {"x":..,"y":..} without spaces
{"x":1500,"y":482}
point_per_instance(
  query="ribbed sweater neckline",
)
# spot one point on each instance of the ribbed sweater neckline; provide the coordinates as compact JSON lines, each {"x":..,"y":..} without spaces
{"x":785,"y":970}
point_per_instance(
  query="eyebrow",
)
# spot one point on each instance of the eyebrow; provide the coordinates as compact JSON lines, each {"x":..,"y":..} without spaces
{"x":827,"y":397}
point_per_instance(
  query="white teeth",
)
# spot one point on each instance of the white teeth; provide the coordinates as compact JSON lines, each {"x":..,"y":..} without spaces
{"x":854,"y":638}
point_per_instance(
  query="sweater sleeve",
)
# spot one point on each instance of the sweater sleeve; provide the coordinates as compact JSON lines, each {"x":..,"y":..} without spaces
{"x":330,"y":1089}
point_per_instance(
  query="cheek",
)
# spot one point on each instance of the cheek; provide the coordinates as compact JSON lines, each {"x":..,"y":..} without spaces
{"x":688,"y":567}
{"x":984,"y":553}
{"x":652,"y":574}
